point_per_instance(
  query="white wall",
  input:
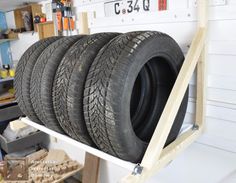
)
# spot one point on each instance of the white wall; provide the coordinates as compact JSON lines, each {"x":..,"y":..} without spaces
{"x":10,"y":19}
{"x":18,"y":47}
{"x":26,"y":39}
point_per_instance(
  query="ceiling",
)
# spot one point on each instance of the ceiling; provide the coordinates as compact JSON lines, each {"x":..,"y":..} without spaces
{"x":7,"y":5}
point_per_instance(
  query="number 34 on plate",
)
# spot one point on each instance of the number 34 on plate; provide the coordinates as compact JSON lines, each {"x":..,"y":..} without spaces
{"x":121,"y":7}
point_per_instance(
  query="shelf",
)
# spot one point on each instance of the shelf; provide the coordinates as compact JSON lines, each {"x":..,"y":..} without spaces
{"x":33,"y":9}
{"x":6,"y":80}
{"x":6,"y":40}
{"x":9,"y":112}
{"x":124,"y":164}
{"x":7,"y":103}
{"x":43,"y":23}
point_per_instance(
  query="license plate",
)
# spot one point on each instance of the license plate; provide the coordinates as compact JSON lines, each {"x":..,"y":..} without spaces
{"x":123,"y":7}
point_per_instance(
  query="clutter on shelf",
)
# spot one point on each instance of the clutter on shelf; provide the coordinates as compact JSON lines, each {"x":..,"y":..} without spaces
{"x":42,"y":166}
{"x":19,"y":137}
{"x":16,"y":129}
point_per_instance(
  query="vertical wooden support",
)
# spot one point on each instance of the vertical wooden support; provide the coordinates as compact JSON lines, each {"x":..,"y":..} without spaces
{"x":54,"y":18}
{"x":83,"y":23}
{"x":91,"y":169}
{"x":201,"y":68}
{"x":201,"y":90}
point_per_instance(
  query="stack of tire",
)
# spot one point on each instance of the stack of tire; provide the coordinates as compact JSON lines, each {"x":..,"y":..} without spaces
{"x":106,"y":90}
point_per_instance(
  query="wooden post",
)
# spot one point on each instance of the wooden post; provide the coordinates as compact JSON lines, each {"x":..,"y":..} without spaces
{"x":201,"y":68}
{"x":201,"y":87}
{"x":83,"y":23}
{"x":91,"y":169}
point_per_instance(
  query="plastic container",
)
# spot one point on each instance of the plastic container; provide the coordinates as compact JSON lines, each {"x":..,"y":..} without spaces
{"x":23,"y":143}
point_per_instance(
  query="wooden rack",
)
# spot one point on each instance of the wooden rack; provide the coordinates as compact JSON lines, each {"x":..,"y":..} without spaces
{"x":156,"y":157}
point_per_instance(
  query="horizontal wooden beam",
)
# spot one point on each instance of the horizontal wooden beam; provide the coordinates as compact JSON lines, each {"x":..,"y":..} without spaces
{"x":168,"y":154}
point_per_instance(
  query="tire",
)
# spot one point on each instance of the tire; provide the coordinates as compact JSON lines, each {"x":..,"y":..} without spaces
{"x":69,"y":84}
{"x":23,"y":75}
{"x":132,"y":65}
{"x":42,"y":81}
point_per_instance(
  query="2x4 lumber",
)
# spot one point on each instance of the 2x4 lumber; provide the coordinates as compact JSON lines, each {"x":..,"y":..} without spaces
{"x":201,"y":90}
{"x":201,"y":68}
{"x":83,"y":23}
{"x":202,"y":13}
{"x":174,"y":149}
{"x":91,"y":169}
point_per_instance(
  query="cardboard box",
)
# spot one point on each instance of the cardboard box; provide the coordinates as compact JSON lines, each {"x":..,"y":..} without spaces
{"x":11,"y":34}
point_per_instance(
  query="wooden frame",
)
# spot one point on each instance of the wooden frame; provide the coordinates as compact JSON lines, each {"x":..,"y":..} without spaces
{"x":156,"y":157}
{"x":33,"y":8}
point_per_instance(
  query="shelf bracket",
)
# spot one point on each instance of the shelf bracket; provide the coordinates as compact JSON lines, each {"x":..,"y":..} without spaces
{"x":155,"y":156}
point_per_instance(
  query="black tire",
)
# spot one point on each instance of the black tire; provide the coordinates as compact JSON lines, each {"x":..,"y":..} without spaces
{"x":70,"y":79}
{"x":128,"y":62}
{"x":23,"y":75}
{"x":42,"y":81}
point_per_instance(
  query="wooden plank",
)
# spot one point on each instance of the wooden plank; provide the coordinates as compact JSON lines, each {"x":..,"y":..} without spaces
{"x":6,"y":96}
{"x":174,"y":149}
{"x":36,"y":156}
{"x":36,"y":10}
{"x":56,"y":156}
{"x":18,"y":16}
{"x":67,"y":175}
{"x":201,"y":90}
{"x":201,"y":69}
{"x":83,"y":23}
{"x":91,"y":169}
{"x":202,"y":13}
